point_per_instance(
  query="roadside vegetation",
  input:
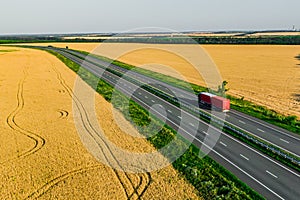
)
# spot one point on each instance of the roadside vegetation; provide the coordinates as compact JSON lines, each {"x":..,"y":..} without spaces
{"x":7,"y":51}
{"x":290,"y":123}
{"x":211,"y":179}
{"x":276,"y":40}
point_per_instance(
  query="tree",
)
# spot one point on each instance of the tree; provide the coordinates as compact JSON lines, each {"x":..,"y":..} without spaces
{"x":222,"y":88}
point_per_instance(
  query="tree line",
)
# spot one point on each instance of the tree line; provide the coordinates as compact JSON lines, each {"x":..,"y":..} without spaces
{"x":274,"y":40}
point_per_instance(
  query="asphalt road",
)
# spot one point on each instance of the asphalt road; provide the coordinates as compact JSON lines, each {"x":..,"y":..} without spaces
{"x":265,"y":175}
{"x":276,"y":136}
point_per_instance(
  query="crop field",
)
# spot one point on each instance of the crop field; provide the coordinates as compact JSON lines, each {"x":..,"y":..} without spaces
{"x":267,"y":75}
{"x":41,"y":154}
{"x":276,"y":34}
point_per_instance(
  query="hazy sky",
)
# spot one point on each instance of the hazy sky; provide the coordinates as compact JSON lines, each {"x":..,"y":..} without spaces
{"x":70,"y":16}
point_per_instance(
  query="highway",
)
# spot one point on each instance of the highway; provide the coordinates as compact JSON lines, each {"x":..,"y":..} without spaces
{"x":276,"y":136}
{"x":265,"y":175}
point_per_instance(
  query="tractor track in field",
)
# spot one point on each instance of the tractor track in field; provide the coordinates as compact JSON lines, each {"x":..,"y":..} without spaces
{"x":53,"y":182}
{"x":63,"y":114}
{"x":131,"y":190}
{"x":11,"y":122}
{"x":123,"y":177}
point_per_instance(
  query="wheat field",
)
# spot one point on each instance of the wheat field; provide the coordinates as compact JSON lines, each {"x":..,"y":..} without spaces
{"x":41,"y":153}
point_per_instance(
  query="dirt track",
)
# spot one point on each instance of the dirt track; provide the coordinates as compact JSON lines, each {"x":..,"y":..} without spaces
{"x":41,"y":154}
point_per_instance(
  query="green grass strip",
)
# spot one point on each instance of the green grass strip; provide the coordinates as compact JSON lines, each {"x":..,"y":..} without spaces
{"x":7,"y":51}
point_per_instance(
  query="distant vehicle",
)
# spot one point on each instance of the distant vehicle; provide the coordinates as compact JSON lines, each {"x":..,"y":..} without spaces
{"x":211,"y":100}
{"x":50,"y":46}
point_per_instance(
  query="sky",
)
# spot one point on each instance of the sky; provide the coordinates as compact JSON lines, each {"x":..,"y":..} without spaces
{"x":105,"y":16}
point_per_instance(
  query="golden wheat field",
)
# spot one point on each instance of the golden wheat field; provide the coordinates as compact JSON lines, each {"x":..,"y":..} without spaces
{"x":267,"y":75}
{"x":293,"y":33}
{"x":41,"y":154}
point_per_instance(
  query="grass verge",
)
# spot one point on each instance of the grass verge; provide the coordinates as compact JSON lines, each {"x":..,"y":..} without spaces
{"x":7,"y":51}
{"x":211,"y":179}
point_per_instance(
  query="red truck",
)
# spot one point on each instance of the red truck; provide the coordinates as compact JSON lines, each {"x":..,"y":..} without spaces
{"x":215,"y":101}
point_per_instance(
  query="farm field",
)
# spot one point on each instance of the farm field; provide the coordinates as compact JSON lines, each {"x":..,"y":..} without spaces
{"x":41,"y":154}
{"x":293,"y":33}
{"x":267,"y":75}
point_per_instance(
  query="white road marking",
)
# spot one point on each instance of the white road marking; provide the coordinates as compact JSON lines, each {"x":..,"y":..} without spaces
{"x":260,"y":130}
{"x":222,"y":143}
{"x":191,"y":124}
{"x":265,"y":125}
{"x":169,"y":111}
{"x":271,"y":174}
{"x":160,"y":106}
{"x":242,"y":122}
{"x":244,"y":157}
{"x":270,"y":142}
{"x":146,"y":97}
{"x":266,"y":139}
{"x":284,"y":141}
{"x":153,"y":101}
{"x":179,"y":117}
{"x":205,"y":132}
{"x":140,"y":93}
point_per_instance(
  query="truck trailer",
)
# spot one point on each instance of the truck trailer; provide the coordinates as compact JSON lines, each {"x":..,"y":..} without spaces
{"x":211,"y":100}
